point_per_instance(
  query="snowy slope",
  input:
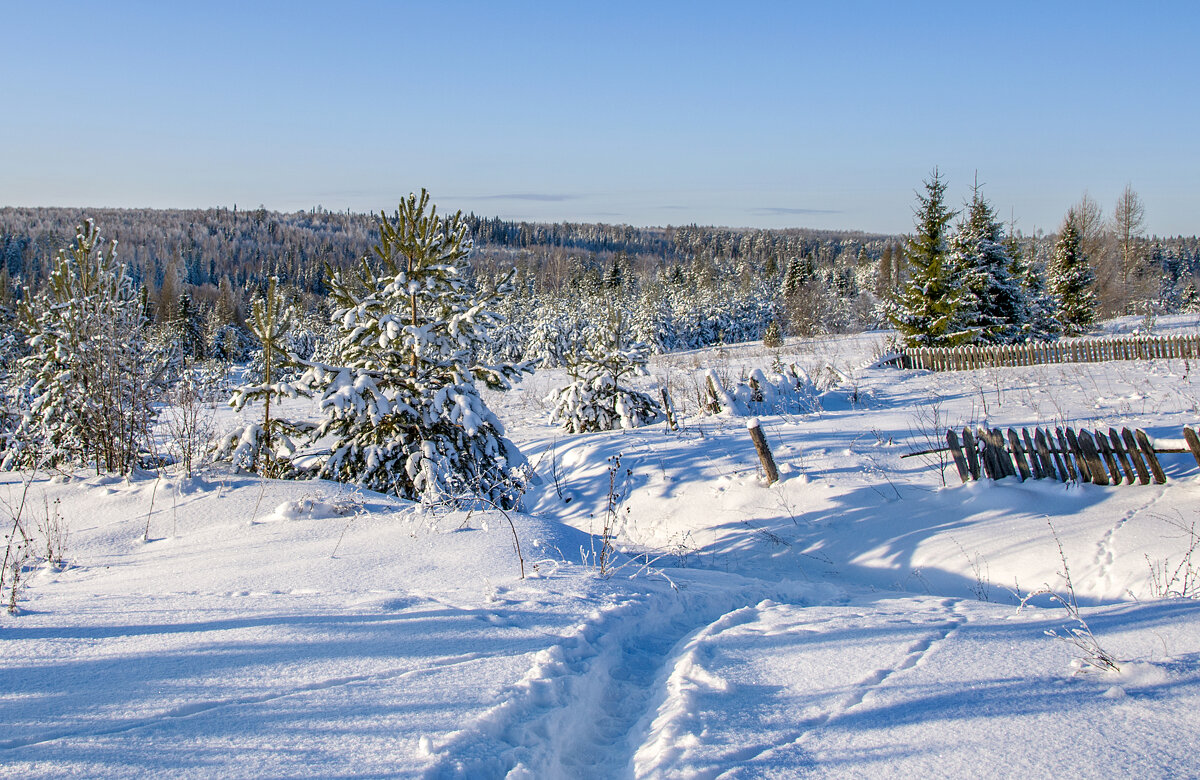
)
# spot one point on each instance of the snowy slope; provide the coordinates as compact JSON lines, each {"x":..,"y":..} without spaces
{"x":857,"y":618}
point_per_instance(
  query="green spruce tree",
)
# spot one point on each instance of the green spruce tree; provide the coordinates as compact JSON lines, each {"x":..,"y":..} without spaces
{"x":994,"y":309}
{"x":401,"y":401}
{"x":266,"y":448}
{"x":597,"y":398}
{"x":1069,"y":281}
{"x":929,"y":308}
{"x":1040,"y":323}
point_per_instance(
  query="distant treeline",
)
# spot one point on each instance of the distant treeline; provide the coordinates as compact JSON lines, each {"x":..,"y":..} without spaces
{"x":250,"y":246}
{"x":815,"y":279}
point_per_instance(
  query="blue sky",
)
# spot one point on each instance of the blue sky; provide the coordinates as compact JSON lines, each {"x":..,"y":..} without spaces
{"x":742,"y":114}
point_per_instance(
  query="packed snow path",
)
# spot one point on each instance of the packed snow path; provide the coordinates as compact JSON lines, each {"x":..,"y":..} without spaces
{"x":579,"y":711}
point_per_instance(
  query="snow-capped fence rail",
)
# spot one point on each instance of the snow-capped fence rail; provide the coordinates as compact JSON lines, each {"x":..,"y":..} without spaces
{"x":1066,"y":455}
{"x":1087,"y":350}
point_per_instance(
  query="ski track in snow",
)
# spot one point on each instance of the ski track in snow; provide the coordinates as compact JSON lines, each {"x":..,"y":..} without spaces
{"x":614,"y":696}
{"x":916,"y":653}
{"x":661,"y":751}
{"x":580,"y":709}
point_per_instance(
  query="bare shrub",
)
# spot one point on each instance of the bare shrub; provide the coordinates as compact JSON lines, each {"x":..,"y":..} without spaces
{"x":18,"y":548}
{"x":928,"y":426}
{"x":1089,"y":654}
{"x":602,"y":558}
{"x":22,"y":543}
{"x":52,"y":529}
{"x":1181,"y":580}
{"x":189,"y":424}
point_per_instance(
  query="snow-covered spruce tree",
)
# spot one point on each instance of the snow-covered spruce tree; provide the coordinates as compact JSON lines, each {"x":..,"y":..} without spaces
{"x":994,"y":308}
{"x":88,"y":367}
{"x":1069,"y":278}
{"x":402,"y":411}
{"x":1189,"y":299}
{"x":773,"y":335}
{"x":265,"y":448}
{"x":596,"y":399}
{"x":1040,"y":323}
{"x":186,"y":329}
{"x":928,"y":309}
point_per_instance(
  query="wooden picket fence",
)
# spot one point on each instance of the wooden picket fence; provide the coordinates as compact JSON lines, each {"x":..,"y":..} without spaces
{"x":1066,"y":455}
{"x":1088,"y":350}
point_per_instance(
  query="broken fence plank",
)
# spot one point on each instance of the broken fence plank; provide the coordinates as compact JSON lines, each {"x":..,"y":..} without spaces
{"x":972,"y":453}
{"x":1151,"y":459}
{"x":1050,"y":458}
{"x":1035,"y":460}
{"x":1065,"y":448}
{"x":1193,"y":443}
{"x":1081,"y":462}
{"x":1119,"y":448}
{"x":991,"y":469}
{"x":1135,"y":457}
{"x":1018,"y":454}
{"x":1002,"y":455}
{"x":1092,"y":456}
{"x":1114,"y":468}
{"x":960,"y":460}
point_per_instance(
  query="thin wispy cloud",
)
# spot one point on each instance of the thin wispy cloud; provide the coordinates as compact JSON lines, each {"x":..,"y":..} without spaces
{"x":540,"y":197}
{"x":781,"y":211}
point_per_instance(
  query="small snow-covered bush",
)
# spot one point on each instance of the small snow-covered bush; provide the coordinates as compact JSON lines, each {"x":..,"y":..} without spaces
{"x":596,"y":399}
{"x":788,"y":391}
{"x":271,"y":320}
{"x":773,"y":335}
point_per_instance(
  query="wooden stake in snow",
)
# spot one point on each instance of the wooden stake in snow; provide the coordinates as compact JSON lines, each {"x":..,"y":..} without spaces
{"x":764,"y":452}
{"x":669,"y":410}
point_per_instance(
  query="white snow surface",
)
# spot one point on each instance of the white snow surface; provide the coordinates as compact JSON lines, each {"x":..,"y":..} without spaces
{"x":858,"y":618}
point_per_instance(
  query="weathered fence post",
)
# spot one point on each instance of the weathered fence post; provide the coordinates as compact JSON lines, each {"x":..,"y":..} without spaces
{"x":764,"y":452}
{"x":668,"y":409}
{"x":714,"y":400}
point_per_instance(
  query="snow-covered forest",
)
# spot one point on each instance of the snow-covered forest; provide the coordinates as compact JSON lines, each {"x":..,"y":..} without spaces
{"x":683,"y":287}
{"x":428,"y":494}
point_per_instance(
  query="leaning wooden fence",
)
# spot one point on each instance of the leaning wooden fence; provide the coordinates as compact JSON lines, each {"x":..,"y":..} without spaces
{"x":1066,"y":455}
{"x":1098,"y":350}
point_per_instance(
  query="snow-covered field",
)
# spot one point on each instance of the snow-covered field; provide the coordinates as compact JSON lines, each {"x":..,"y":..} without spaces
{"x":857,"y":618}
